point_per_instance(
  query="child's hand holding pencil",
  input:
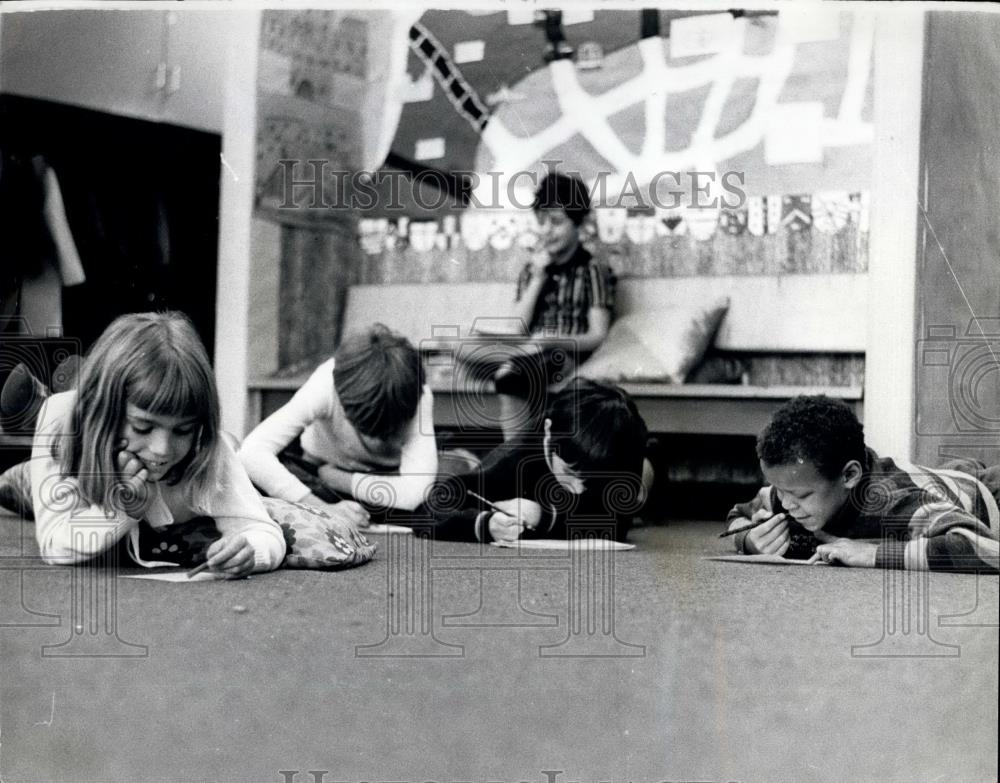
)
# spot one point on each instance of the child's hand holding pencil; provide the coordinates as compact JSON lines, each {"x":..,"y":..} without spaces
{"x":767,"y":533}
{"x":231,"y":557}
{"x":511,"y":517}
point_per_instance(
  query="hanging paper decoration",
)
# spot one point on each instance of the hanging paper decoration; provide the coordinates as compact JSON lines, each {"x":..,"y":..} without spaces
{"x":756,"y":220}
{"x":830,"y":211}
{"x":733,"y":221}
{"x":702,"y":222}
{"x":671,"y":223}
{"x":475,"y":230}
{"x":796,"y":213}
{"x":527,"y":229}
{"x":423,"y":235}
{"x":640,"y":227}
{"x":775,"y":206}
{"x":501,"y":231}
{"x":610,"y":224}
{"x":372,"y":235}
{"x":864,"y":211}
{"x":449,"y":230}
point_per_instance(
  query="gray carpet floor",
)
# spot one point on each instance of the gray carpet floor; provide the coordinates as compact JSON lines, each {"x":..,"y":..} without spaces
{"x":455,"y":663}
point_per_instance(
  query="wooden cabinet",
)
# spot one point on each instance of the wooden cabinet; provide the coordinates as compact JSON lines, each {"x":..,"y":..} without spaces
{"x":196,"y":68}
{"x":165,"y":66}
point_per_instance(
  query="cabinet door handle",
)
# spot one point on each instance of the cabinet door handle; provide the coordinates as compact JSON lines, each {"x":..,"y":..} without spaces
{"x":174,"y":81}
{"x":160,"y":76}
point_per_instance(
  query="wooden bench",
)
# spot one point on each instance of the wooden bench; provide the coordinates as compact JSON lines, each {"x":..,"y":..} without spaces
{"x":788,"y":314}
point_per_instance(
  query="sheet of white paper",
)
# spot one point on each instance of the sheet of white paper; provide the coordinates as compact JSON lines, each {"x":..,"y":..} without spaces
{"x":174,"y":576}
{"x":564,"y":545}
{"x":765,"y":559}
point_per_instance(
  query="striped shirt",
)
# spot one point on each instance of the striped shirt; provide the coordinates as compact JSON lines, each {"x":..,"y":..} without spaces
{"x":569,"y":291}
{"x":933,"y":519}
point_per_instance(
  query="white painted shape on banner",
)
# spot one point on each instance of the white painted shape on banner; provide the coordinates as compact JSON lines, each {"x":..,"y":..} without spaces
{"x":469,"y":52}
{"x":417,"y":90}
{"x":429,"y":149}
{"x":794,"y":134}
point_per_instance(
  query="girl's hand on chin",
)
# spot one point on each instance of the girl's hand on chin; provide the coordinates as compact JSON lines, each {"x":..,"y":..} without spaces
{"x":134,"y":476}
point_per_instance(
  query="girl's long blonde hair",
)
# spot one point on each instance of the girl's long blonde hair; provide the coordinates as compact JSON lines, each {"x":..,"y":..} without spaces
{"x":156,"y":362}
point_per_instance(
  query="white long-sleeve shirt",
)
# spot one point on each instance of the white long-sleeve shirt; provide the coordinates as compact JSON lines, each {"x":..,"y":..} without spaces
{"x":69,"y":531}
{"x":399,"y":475}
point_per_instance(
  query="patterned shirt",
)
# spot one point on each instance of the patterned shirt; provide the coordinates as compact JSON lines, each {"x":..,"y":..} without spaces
{"x":922,"y":518}
{"x":569,"y":291}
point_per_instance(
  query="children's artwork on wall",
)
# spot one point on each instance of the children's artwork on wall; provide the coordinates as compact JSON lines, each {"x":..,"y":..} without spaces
{"x":712,"y":143}
{"x":651,"y":104}
{"x":311,"y":81}
{"x":802,"y":233}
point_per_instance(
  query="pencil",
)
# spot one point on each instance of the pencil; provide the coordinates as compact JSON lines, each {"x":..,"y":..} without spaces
{"x":745,"y":528}
{"x":197,"y":570}
{"x":481,"y":499}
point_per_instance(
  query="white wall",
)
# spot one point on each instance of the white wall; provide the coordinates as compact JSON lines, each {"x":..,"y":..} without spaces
{"x":239,"y":152}
{"x":892,"y":264}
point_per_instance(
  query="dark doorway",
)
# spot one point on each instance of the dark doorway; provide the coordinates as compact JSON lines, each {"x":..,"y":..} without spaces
{"x":142,"y":201}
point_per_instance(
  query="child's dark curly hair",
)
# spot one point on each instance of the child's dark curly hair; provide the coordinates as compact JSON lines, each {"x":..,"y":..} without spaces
{"x":815,"y":429}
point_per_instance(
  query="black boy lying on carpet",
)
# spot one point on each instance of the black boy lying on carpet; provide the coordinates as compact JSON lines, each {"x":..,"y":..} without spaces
{"x":826,"y":489}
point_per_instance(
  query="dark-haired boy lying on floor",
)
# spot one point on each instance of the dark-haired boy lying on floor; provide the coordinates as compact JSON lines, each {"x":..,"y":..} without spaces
{"x":825,"y":489}
{"x":586,"y":465}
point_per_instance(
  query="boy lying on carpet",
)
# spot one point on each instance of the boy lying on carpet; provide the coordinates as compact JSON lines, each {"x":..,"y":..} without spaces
{"x":825,"y":489}
{"x":585,"y":465}
{"x":359,"y":431}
